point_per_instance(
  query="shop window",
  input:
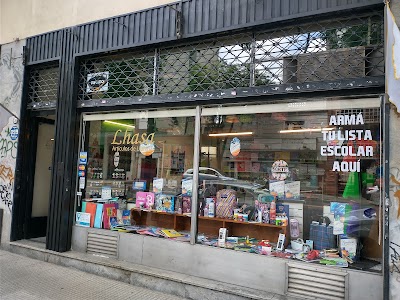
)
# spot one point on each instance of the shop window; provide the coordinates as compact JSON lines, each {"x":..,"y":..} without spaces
{"x":293,"y":179}
{"x":135,"y":172}
{"x":289,"y":178}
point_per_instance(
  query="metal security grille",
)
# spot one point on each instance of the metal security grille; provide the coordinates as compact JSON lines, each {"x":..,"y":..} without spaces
{"x":347,"y":47}
{"x":370,"y":115}
{"x":310,"y":282}
{"x":117,"y":76}
{"x":43,"y":87}
{"x":102,"y":244}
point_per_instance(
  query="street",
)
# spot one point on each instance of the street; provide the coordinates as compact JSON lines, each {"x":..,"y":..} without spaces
{"x":29,"y":279}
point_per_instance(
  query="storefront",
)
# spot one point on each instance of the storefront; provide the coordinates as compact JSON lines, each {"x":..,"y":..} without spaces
{"x":296,"y":180}
{"x":245,"y":157}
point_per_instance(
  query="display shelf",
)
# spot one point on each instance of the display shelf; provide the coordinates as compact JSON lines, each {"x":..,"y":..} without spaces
{"x":206,"y":225}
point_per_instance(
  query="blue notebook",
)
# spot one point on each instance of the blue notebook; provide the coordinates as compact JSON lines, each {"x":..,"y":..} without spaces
{"x":99,"y":216}
{"x":83,"y":206}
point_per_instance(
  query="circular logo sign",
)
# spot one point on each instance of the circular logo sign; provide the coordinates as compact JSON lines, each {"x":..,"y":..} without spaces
{"x":97,"y":82}
{"x":14,"y":132}
{"x":235,"y":147}
{"x":280,"y":170}
{"x":146,"y":149}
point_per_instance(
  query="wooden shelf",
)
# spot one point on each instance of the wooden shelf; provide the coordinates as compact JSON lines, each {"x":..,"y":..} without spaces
{"x":206,"y":225}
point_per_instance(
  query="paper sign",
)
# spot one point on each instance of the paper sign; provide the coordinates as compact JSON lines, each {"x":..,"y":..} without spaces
{"x":106,"y":192}
{"x":139,"y":185}
{"x":83,"y":219}
{"x":81,"y":183}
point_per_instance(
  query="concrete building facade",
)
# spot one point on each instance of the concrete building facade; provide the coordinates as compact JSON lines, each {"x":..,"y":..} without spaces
{"x":20,"y":58}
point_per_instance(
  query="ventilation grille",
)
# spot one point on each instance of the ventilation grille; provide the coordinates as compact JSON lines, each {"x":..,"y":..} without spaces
{"x":102,"y":244}
{"x":316,"y":283}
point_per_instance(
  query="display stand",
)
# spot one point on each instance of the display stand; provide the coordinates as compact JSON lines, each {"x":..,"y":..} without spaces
{"x":208,"y":226}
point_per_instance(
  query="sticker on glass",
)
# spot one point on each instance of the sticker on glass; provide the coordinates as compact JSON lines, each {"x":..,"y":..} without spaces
{"x":147,"y":148}
{"x":280,"y":170}
{"x":235,"y":147}
{"x":116,"y":159}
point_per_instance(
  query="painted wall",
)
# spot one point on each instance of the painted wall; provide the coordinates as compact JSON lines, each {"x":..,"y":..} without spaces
{"x":21,"y":19}
{"x":11,"y":75}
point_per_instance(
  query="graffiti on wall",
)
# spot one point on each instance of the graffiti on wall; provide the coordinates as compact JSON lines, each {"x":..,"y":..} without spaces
{"x":395,"y":186}
{"x":6,"y":186}
{"x":8,"y":142}
{"x":8,"y":153}
{"x":11,"y":70}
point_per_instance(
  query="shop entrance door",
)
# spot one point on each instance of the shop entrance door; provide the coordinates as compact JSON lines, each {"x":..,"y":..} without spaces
{"x":36,"y":218}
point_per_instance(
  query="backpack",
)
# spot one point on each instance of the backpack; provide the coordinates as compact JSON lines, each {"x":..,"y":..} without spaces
{"x":226,"y":202}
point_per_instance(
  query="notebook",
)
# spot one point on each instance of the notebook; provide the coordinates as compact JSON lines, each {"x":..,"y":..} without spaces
{"x":98,"y":219}
{"x":91,"y":209}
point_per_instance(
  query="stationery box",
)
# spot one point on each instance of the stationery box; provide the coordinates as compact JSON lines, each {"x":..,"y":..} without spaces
{"x":165,"y":203}
{"x":187,"y":186}
{"x":292,"y":190}
{"x":277,"y":189}
{"x":322,"y":236}
{"x":158,"y":185}
{"x":144,"y":200}
{"x":141,"y":199}
{"x":186,"y":204}
{"x":349,"y":247}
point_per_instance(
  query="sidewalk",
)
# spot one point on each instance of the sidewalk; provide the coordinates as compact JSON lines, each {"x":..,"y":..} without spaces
{"x":29,"y":279}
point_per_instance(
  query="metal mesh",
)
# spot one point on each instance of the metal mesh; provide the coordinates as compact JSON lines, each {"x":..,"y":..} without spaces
{"x":117,"y":76}
{"x":43,"y":85}
{"x":370,"y":115}
{"x":341,"y":48}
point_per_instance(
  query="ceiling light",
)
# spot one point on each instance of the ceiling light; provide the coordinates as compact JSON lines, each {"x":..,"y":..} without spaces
{"x":119,"y":124}
{"x":231,"y":133}
{"x":305,"y":130}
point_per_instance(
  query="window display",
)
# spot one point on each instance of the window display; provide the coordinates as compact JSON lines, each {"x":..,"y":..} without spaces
{"x":294,"y":180}
{"x":135,"y":166}
{"x":303,"y":180}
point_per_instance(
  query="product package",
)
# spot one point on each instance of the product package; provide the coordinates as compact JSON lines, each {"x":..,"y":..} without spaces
{"x":322,"y":236}
{"x":109,"y":210}
{"x":292,"y":190}
{"x":277,"y":189}
{"x":165,"y":203}
{"x":145,"y":200}
{"x":158,"y":185}
{"x":187,"y":187}
{"x":186,"y":204}
{"x":226,"y":202}
{"x":348,"y":247}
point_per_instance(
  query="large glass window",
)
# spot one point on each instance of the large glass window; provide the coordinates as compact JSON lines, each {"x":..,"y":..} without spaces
{"x":306,"y":172}
{"x":299,"y":179}
{"x":135,"y":172}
